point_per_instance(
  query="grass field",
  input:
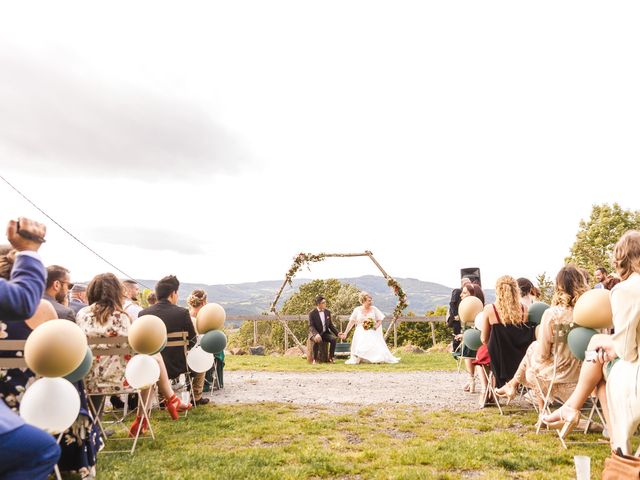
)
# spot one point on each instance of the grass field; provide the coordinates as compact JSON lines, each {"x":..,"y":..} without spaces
{"x":409,"y":362}
{"x":275,"y":441}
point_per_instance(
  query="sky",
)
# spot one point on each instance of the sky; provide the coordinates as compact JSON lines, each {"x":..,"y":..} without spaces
{"x":216,"y":140}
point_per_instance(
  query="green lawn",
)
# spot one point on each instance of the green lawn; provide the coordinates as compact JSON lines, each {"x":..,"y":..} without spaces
{"x":279,"y":442}
{"x":409,"y":362}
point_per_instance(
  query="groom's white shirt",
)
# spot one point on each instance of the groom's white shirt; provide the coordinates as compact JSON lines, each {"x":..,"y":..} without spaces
{"x":324,"y":327}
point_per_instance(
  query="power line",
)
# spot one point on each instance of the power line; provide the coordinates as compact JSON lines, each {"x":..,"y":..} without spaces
{"x":69,"y":233}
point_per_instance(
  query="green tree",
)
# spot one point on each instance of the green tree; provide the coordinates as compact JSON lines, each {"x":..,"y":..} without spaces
{"x":546,"y":287}
{"x":419,"y":333}
{"x":597,"y":236}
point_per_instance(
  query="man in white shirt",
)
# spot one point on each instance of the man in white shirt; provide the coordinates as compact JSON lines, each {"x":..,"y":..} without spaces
{"x":131,"y":293}
{"x":321,"y":328}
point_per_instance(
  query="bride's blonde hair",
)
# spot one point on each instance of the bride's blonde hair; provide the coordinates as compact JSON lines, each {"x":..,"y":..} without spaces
{"x":508,"y":301}
{"x":363,"y":296}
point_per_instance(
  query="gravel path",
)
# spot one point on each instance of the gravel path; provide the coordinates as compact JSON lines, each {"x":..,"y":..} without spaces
{"x":429,"y":390}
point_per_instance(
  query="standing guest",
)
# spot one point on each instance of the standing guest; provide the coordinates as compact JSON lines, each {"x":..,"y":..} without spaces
{"x":176,"y":319}
{"x":506,"y":330}
{"x":545,"y":361}
{"x":453,"y":321}
{"x":470,"y":290}
{"x":151,"y":299}
{"x":601,"y":276}
{"x":57,"y":290}
{"x":131,"y":294}
{"x":78,"y":297}
{"x":25,"y":451}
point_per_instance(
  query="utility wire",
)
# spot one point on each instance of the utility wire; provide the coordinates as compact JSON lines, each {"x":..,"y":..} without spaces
{"x":70,"y":234}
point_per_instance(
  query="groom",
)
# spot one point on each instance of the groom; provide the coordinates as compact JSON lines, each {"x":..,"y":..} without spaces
{"x":321,"y":328}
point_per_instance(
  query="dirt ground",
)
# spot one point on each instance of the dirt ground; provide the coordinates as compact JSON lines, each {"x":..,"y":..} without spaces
{"x":429,"y":390}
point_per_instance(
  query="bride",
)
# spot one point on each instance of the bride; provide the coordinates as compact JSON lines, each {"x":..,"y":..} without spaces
{"x":368,"y":344}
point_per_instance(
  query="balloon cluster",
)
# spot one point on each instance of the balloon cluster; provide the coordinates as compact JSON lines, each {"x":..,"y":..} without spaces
{"x":55,"y":349}
{"x":209,"y":320}
{"x":591,"y":312}
{"x":147,"y":336}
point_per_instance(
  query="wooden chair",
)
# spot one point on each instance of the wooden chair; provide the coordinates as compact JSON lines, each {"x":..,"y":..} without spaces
{"x":117,"y":346}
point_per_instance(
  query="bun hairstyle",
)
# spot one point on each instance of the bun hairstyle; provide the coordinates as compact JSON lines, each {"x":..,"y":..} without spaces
{"x":197,"y":298}
{"x":363,"y":296}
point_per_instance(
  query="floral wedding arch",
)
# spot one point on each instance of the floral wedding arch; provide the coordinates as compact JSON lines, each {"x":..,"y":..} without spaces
{"x":304,"y":259}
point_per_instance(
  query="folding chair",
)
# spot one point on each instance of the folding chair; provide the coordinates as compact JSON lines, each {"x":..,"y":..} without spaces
{"x":181,"y":339}
{"x":117,"y":346}
{"x":490,"y":391}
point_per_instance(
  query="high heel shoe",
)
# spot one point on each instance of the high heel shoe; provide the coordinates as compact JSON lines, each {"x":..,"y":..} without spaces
{"x":507,"y":391}
{"x":471,"y":386}
{"x":139,"y":423}
{"x":564,"y":419}
{"x":175,"y":405}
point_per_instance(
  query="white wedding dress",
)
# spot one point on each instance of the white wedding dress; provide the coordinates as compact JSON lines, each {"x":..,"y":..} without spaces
{"x":369,"y":345}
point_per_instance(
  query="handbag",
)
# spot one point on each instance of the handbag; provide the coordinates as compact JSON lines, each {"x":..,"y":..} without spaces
{"x":619,"y":466}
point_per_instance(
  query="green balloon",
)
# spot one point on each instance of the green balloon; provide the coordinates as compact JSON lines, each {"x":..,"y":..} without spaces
{"x":471,"y":338}
{"x":578,"y":340}
{"x":84,"y":367}
{"x":214,"y":341}
{"x":535,"y":312}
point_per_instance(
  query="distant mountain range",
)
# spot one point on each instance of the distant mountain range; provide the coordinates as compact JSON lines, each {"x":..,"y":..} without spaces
{"x":256,"y":297}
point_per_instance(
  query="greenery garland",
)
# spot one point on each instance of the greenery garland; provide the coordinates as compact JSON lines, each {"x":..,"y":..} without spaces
{"x":303,"y":259}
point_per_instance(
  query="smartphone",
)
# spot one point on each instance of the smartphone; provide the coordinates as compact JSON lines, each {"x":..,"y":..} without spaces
{"x":590,"y":355}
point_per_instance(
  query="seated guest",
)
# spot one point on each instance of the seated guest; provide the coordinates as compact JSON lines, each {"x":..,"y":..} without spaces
{"x":131,"y":294}
{"x":470,"y":290}
{"x":25,"y":451}
{"x":601,"y":275}
{"x":58,"y":286}
{"x":151,"y":299}
{"x":78,"y":297}
{"x":528,"y":293}
{"x":105,"y":317}
{"x":176,"y":319}
{"x":453,"y":320}
{"x":506,"y":331}
{"x":622,"y":346}
{"x":195,"y":301}
{"x":537,"y":367}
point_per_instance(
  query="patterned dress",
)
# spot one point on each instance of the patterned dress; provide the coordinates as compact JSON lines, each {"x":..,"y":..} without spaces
{"x":107,"y":373}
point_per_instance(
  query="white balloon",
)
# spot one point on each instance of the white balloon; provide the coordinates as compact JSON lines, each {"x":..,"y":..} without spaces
{"x":479,"y":321}
{"x":142,"y":371}
{"x":51,"y":404}
{"x":198,"y":360}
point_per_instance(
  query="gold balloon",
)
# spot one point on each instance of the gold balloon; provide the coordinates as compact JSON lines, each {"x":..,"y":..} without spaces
{"x":210,"y":317}
{"x":55,"y":348}
{"x":469,"y":308}
{"x":593,"y":309}
{"x":147,"y":334}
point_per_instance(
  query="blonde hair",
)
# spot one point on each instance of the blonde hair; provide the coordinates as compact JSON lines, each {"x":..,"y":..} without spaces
{"x":197,"y":298}
{"x":626,"y":254}
{"x":363,"y":296}
{"x":508,"y":301}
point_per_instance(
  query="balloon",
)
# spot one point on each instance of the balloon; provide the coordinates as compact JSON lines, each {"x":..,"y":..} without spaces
{"x":469,"y":308}
{"x":147,"y":335}
{"x":55,"y":348}
{"x":593,"y":309}
{"x":164,"y":344}
{"x":210,"y":317}
{"x":471,"y":338}
{"x":198,"y":360}
{"x":578,"y":340}
{"x":479,"y":321}
{"x":142,"y":371}
{"x":535,"y":312}
{"x":51,"y":404}
{"x":84,"y":367}
{"x":213,"y":341}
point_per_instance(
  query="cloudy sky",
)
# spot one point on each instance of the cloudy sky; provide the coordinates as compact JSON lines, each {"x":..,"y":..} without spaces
{"x":215,"y":140}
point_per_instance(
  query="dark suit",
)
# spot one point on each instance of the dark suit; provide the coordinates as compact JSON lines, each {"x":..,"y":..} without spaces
{"x":76,"y":305}
{"x":62,"y":311}
{"x":21,"y":294}
{"x":329,"y":333}
{"x":176,"y":319}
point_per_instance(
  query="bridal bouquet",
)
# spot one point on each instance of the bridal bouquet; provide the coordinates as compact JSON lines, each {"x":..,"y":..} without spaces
{"x":368,"y":324}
